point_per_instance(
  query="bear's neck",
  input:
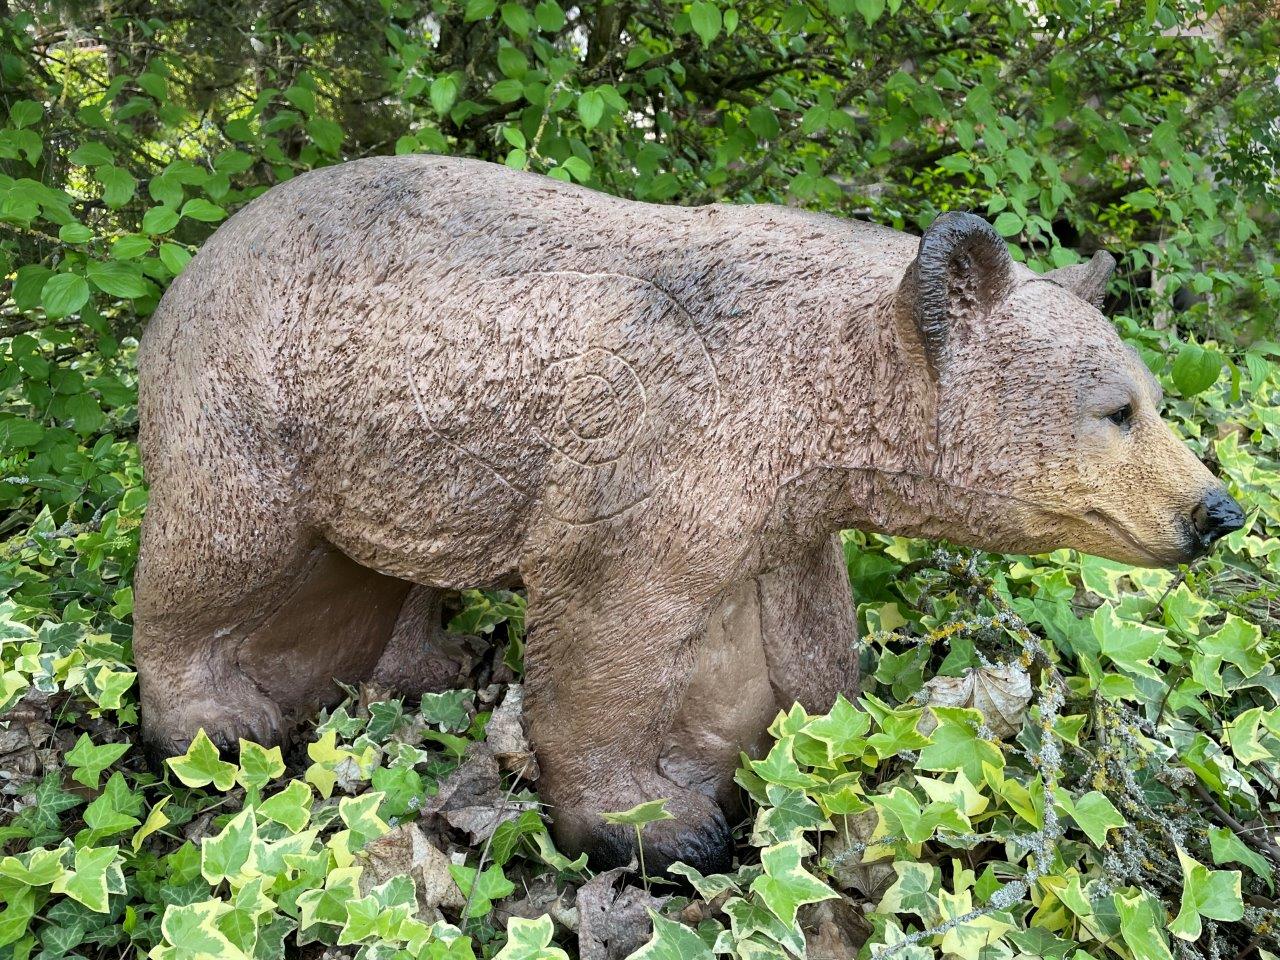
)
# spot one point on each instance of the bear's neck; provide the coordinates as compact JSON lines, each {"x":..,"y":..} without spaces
{"x":870,"y":463}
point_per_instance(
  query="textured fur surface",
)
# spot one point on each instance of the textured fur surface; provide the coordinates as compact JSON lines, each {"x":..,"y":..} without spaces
{"x":436,"y":372}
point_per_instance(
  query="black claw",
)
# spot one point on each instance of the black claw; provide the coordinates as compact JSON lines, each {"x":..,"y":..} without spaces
{"x":707,"y":848}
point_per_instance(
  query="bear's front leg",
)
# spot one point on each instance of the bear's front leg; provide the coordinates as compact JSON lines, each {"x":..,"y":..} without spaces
{"x":612,"y":646}
{"x":809,"y":627}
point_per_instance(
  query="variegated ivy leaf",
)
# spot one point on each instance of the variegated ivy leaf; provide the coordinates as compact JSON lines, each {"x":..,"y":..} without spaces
{"x":290,"y":807}
{"x":157,"y":819}
{"x":913,"y":892}
{"x":966,"y":936}
{"x":1142,"y":923}
{"x":903,"y":817}
{"x":787,"y":885}
{"x":329,"y":904}
{"x":651,"y":811}
{"x":95,"y":873}
{"x":672,"y":940}
{"x":258,"y":765}
{"x":1205,"y":893}
{"x":224,"y":856}
{"x":958,"y":744}
{"x":191,"y":933}
{"x":201,"y":765}
{"x":360,"y":814}
{"x":530,"y":940}
{"x":1093,"y":813}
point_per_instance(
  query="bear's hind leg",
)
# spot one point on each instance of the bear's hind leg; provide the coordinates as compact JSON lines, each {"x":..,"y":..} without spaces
{"x":243,"y":620}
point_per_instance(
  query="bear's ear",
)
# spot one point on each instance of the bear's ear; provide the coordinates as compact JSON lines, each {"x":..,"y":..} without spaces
{"x":1088,"y":281}
{"x":961,"y":271}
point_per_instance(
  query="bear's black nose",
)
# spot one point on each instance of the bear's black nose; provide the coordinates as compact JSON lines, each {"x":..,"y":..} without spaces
{"x":1216,"y":516}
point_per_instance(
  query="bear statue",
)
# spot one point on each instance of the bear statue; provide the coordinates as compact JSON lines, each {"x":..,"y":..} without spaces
{"x":399,"y":376}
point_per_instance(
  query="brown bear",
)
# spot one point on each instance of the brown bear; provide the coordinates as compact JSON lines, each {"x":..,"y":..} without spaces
{"x":399,"y":376}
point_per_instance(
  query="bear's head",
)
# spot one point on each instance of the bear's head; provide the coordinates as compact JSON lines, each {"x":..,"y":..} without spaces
{"x":1048,"y":427}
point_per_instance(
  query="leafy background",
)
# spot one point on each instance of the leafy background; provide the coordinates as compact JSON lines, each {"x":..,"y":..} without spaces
{"x":1054,"y":756}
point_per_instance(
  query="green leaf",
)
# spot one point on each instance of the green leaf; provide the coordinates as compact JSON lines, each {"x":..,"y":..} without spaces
{"x":650,"y":811}
{"x":1226,"y":847}
{"x":1093,"y":813}
{"x":1008,"y":224}
{"x":705,"y":18}
{"x":590,"y":108}
{"x":444,"y":91}
{"x":88,"y":761}
{"x":549,"y":16}
{"x":780,"y":767}
{"x":786,"y":886}
{"x":302,"y":98}
{"x":517,"y":19}
{"x":197,"y":208}
{"x":114,"y":811}
{"x":118,"y":279}
{"x":201,"y":765}
{"x":159,"y":220}
{"x":489,"y":886}
{"x":1205,"y":893}
{"x":74,"y":233}
{"x":1195,"y":369}
{"x":326,"y":135}
{"x":870,"y":10}
{"x":118,"y":185}
{"x":91,"y":154}
{"x":63,"y":294}
{"x":23,"y":113}
{"x":957,"y":745}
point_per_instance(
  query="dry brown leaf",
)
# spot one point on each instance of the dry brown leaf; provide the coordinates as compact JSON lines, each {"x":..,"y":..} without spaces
{"x":612,"y":924}
{"x":834,"y":929}
{"x":406,"y":851}
{"x":843,"y":852}
{"x":1001,"y":693}
{"x":505,"y":735}
{"x":472,"y":798}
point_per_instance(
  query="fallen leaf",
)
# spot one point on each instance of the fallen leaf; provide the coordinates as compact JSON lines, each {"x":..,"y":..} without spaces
{"x":1000,"y":693}
{"x":506,"y":738}
{"x":835,"y":929}
{"x":843,"y":852}
{"x":612,"y":924}
{"x":473,"y":798}
{"x":407,"y":851}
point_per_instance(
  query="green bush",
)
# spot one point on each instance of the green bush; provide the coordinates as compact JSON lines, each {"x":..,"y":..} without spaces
{"x":1117,"y":792}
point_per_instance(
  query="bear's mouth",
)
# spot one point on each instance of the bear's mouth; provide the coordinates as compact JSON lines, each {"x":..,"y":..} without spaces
{"x":1118,"y":531}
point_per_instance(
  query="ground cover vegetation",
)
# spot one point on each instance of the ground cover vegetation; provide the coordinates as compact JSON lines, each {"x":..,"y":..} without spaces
{"x":1053,"y":757}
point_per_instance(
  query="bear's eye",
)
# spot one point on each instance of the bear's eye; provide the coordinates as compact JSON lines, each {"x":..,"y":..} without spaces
{"x":1122,"y":416}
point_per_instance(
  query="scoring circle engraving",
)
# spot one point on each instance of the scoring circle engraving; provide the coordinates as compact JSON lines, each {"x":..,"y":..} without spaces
{"x":593,"y":406}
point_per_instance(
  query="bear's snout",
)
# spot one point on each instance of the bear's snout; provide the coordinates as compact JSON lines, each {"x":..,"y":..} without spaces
{"x":1215,"y":516}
